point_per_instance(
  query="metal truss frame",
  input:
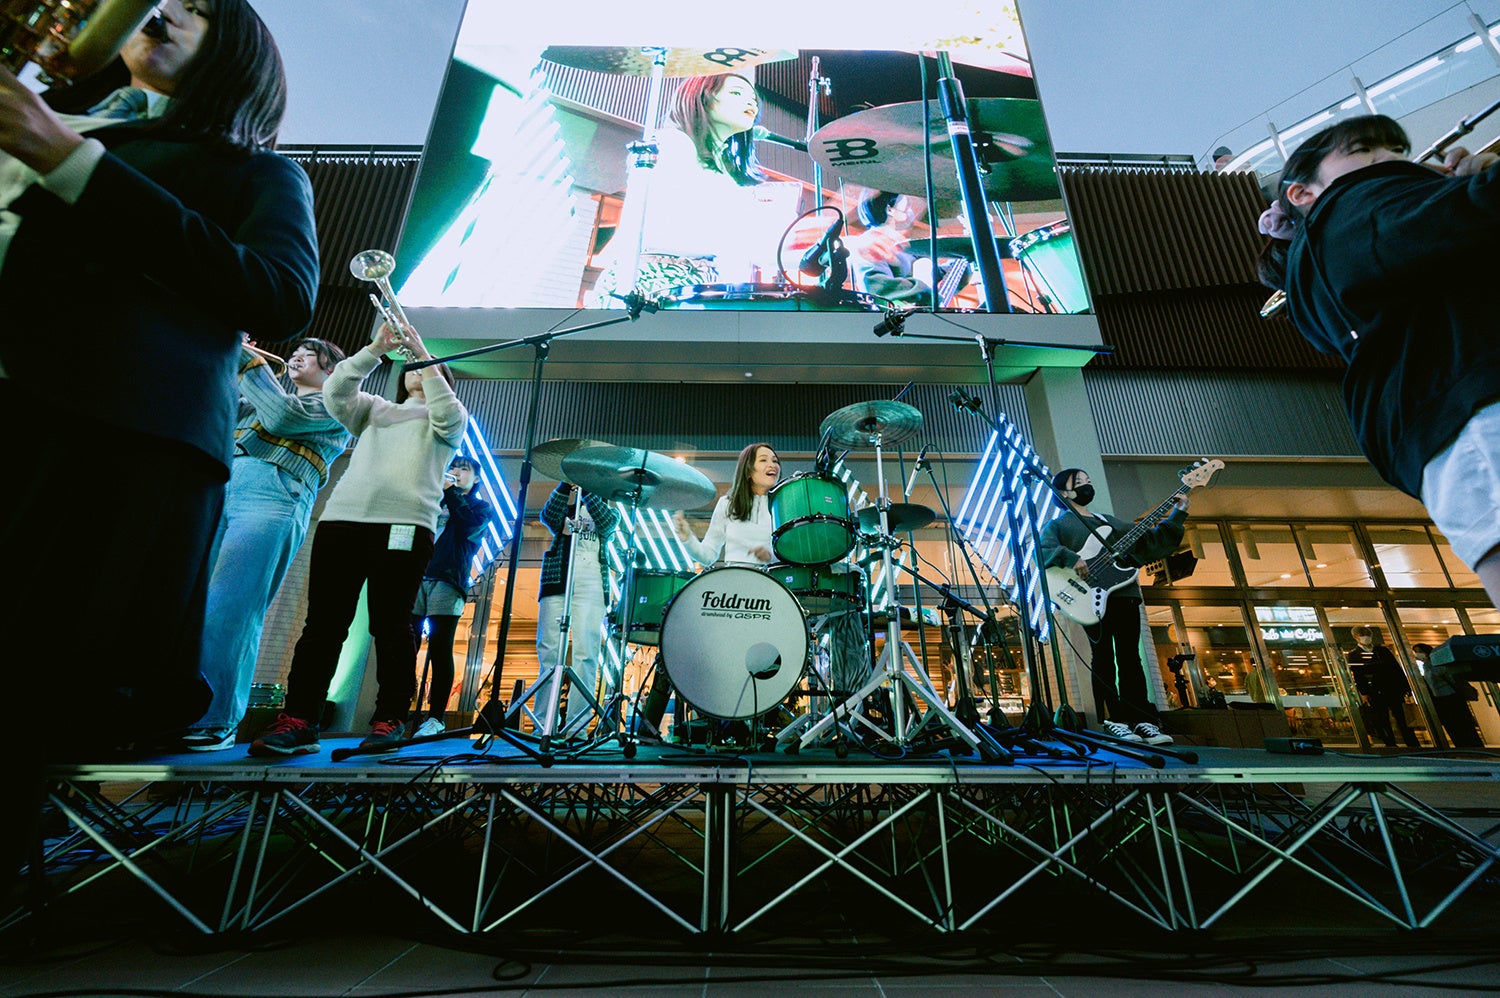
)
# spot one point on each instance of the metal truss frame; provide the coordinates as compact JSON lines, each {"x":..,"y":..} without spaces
{"x":720,"y":848}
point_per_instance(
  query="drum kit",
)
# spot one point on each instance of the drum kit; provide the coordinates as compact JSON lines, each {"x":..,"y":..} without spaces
{"x":737,"y":642}
{"x":882,"y":148}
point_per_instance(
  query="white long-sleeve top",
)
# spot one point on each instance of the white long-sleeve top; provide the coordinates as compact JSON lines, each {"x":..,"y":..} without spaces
{"x":734,"y":538}
{"x":395,"y":474}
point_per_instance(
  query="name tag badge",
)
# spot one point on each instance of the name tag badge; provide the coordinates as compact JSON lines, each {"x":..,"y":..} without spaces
{"x":402,"y":537}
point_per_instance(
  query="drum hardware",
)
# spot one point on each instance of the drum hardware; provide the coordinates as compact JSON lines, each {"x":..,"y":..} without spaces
{"x":874,"y":424}
{"x":769,"y":297}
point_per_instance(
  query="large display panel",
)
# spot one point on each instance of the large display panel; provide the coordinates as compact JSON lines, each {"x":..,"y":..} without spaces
{"x":561,"y":175}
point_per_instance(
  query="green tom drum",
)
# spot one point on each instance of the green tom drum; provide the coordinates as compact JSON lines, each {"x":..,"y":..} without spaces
{"x":822,"y":589}
{"x":810,"y":520}
{"x":647,"y":595}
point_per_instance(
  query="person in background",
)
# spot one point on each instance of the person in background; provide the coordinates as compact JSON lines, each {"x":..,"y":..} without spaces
{"x":1450,"y":698}
{"x":1223,"y":156}
{"x":1382,"y":688}
{"x":462,"y":521}
{"x":376,"y":528}
{"x":283,"y":447}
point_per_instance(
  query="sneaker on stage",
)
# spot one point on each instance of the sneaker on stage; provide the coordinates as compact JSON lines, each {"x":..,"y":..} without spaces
{"x":428,"y":728}
{"x":1151,"y":734}
{"x":1117,"y":730}
{"x":213,"y":740}
{"x":385,"y":736}
{"x":287,"y":735}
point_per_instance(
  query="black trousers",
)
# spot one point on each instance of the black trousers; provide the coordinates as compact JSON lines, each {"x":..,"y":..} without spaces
{"x":1453,"y":711}
{"x":1119,"y":679}
{"x":345,"y":556}
{"x":1378,"y":714}
{"x":440,"y":656}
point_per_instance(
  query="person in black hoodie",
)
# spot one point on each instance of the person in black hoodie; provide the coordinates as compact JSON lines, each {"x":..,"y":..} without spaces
{"x":440,"y":602}
{"x":1389,"y":264}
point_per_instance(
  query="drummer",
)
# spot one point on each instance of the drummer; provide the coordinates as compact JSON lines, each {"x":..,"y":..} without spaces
{"x":739,"y":531}
{"x":740,"y":528}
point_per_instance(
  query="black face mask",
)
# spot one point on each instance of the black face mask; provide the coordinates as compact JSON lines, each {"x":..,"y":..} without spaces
{"x":1083,"y":494}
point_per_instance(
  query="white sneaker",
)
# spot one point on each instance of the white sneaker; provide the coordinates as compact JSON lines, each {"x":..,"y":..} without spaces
{"x":431,"y":726}
{"x":1151,"y":734}
{"x":1117,"y":730}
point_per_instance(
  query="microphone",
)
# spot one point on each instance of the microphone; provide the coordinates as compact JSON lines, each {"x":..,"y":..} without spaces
{"x":636,"y":303}
{"x":892,"y":322}
{"x":916,"y":469}
{"x":963,"y":400}
{"x":761,"y":133}
{"x":814,"y":261}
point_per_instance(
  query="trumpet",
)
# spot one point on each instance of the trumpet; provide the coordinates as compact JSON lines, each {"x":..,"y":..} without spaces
{"x":67,"y":39}
{"x":278,"y":365}
{"x":377,"y":266}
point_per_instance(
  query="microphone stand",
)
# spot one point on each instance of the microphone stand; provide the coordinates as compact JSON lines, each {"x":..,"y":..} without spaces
{"x":971,"y":190}
{"x":490,"y":722}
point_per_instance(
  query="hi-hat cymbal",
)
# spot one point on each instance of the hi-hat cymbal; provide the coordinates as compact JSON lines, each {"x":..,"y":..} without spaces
{"x":627,"y":60}
{"x":638,"y":477}
{"x":902,"y":516}
{"x":547,"y":458}
{"x":857,"y":425}
{"x":882,"y":148}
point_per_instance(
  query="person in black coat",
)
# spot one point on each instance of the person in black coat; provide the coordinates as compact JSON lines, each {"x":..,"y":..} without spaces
{"x":1382,"y":688}
{"x":135,"y":254}
{"x":1389,"y":264}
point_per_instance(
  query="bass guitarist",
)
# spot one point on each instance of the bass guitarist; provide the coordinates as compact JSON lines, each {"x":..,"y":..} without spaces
{"x":1124,"y":708}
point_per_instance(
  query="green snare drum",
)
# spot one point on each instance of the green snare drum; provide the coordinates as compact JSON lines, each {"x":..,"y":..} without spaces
{"x":1048,"y":254}
{"x":822,"y":589}
{"x":810,"y":520}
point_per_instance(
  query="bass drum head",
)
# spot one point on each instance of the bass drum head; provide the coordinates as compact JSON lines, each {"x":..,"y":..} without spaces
{"x":734,"y":643}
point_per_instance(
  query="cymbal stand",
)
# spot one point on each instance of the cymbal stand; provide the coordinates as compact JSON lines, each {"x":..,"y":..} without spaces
{"x":643,"y":155}
{"x":898,"y":664}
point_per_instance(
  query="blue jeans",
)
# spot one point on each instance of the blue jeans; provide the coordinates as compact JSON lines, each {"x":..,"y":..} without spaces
{"x":265,"y":521}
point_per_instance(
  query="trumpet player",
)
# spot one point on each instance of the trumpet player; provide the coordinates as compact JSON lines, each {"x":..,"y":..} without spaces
{"x":141,"y":246}
{"x":377,"y":528}
{"x":283,"y":446}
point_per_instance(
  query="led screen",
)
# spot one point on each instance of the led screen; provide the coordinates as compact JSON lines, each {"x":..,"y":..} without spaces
{"x":705,"y":175}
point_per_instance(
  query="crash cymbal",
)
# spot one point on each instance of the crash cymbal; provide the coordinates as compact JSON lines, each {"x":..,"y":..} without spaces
{"x":640,"y":477}
{"x":882,"y":148}
{"x":547,"y":458}
{"x":857,"y":425}
{"x":903,"y":516}
{"x":627,"y":60}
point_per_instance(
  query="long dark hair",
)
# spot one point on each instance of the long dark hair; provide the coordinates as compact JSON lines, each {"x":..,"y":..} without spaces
{"x":691,"y":113}
{"x":233,"y":92}
{"x":741,"y":498}
{"x":1302,"y":167}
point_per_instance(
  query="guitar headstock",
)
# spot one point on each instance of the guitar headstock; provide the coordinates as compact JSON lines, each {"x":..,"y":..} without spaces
{"x":1200,"y":472}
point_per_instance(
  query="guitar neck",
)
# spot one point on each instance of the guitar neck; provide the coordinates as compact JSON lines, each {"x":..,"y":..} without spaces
{"x":1128,"y":539}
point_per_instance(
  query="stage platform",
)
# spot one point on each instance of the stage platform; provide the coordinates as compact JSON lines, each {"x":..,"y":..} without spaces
{"x":716,"y":842}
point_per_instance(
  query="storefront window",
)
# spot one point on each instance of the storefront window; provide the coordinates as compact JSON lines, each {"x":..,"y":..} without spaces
{"x":1307,"y":676}
{"x":1222,"y":653}
{"x":1462,"y":577}
{"x":1333,"y":557}
{"x":1270,"y":555}
{"x":1407,"y":557}
{"x":1211,"y":567}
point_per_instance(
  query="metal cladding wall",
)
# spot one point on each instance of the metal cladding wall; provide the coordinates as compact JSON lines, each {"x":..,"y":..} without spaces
{"x":1170,"y":261}
{"x":719,"y":417}
{"x":1169,"y":413}
{"x":359,"y":200}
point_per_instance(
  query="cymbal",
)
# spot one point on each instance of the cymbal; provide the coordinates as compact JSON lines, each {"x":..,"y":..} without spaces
{"x":903,"y":517}
{"x":627,"y":60}
{"x":547,"y":458}
{"x":882,"y":148}
{"x":640,"y":477}
{"x":856,"y":425}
